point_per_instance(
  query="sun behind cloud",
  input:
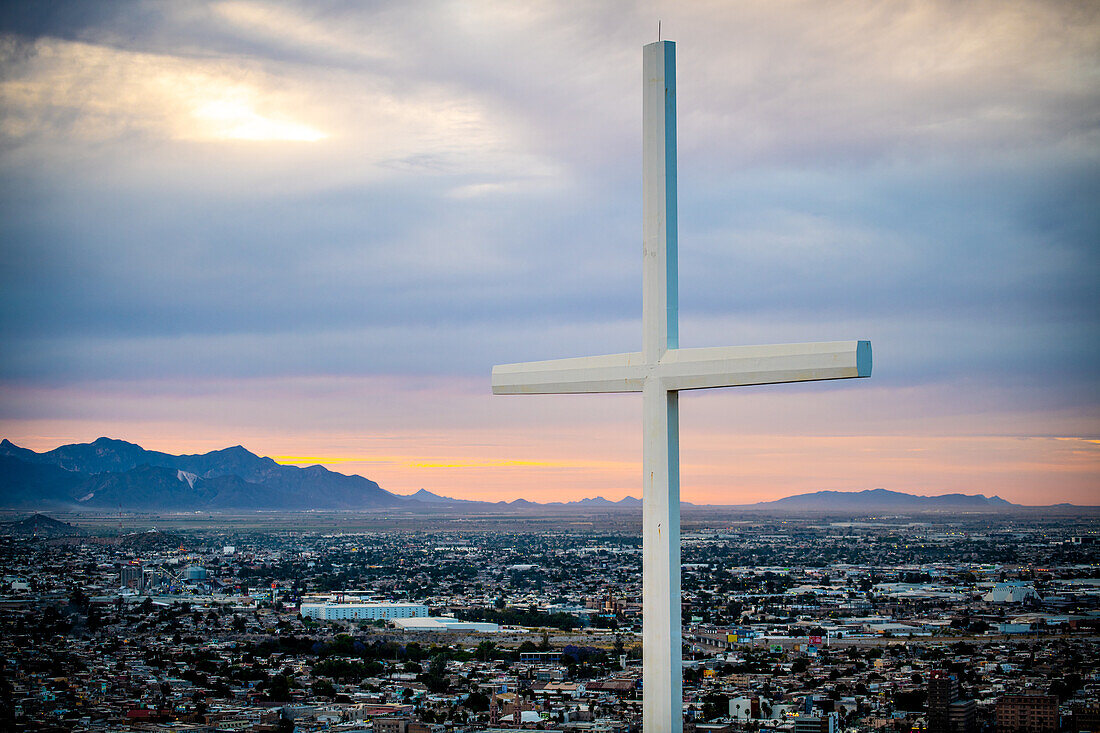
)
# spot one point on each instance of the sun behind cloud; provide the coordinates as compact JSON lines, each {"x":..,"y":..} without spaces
{"x":58,"y":89}
{"x":236,"y":119}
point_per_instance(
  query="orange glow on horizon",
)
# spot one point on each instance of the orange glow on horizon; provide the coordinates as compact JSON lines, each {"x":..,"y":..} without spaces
{"x":434,"y":463}
{"x":725,"y":469}
{"x":455,"y":441}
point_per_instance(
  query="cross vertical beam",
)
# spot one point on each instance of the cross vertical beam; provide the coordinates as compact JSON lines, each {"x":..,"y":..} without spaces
{"x":660,"y":329}
{"x":662,"y":668}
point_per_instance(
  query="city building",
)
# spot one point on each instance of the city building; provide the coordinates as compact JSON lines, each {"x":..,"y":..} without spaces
{"x":812,"y":724}
{"x":194,"y":572}
{"x":1027,"y":713}
{"x":132,"y":576}
{"x":1011,"y":592}
{"x":1086,"y":717}
{"x":443,"y":623}
{"x":961,"y":716}
{"x":947,"y":713}
{"x":358,"y":611}
{"x":744,"y":708}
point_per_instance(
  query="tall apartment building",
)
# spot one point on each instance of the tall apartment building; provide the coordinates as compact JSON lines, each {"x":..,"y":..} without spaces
{"x":132,"y":576}
{"x":1086,"y":717}
{"x":947,"y":713}
{"x":1027,"y":713}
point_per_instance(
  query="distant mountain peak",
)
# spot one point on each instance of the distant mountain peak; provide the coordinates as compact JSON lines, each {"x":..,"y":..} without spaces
{"x":427,"y":496}
{"x":111,"y":473}
{"x":879,"y":499}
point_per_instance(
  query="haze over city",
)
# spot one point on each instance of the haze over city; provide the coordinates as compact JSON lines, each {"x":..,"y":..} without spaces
{"x":311,"y":229}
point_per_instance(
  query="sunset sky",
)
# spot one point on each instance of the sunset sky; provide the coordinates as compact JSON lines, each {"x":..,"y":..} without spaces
{"x":311,"y":228}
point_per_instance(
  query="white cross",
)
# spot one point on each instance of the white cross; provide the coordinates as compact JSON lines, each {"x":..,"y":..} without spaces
{"x":659,"y":371}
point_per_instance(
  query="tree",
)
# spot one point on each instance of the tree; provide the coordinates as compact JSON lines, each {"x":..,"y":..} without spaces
{"x":94,"y":621}
{"x":323,"y":688}
{"x":435,"y":679}
{"x":1064,"y":687}
{"x":477,"y":702}
{"x":620,"y":646}
{"x":200,"y":703}
{"x":715,"y":706}
{"x":485,"y":650}
{"x":438,"y":665}
{"x":910,"y":701}
{"x":79,"y":598}
{"x":278,"y":690}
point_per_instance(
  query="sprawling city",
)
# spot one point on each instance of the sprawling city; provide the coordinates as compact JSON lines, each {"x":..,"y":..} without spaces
{"x":363,"y":622}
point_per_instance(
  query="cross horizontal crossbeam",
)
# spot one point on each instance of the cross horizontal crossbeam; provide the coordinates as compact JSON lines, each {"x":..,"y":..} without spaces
{"x":680,"y":369}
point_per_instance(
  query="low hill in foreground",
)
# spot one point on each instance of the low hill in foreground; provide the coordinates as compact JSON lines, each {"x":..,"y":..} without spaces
{"x":39,"y":525}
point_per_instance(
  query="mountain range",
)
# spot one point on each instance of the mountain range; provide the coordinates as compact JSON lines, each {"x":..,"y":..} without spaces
{"x":109,"y":474}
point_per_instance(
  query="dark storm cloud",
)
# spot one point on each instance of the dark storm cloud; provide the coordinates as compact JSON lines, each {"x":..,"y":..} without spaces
{"x":65,"y":19}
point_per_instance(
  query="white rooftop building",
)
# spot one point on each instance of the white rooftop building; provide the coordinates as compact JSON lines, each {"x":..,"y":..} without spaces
{"x":1011,"y":592}
{"x":444,"y":623}
{"x":368,"y":611}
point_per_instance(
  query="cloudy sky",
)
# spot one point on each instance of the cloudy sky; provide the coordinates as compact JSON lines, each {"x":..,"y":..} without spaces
{"x":312,"y":228}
